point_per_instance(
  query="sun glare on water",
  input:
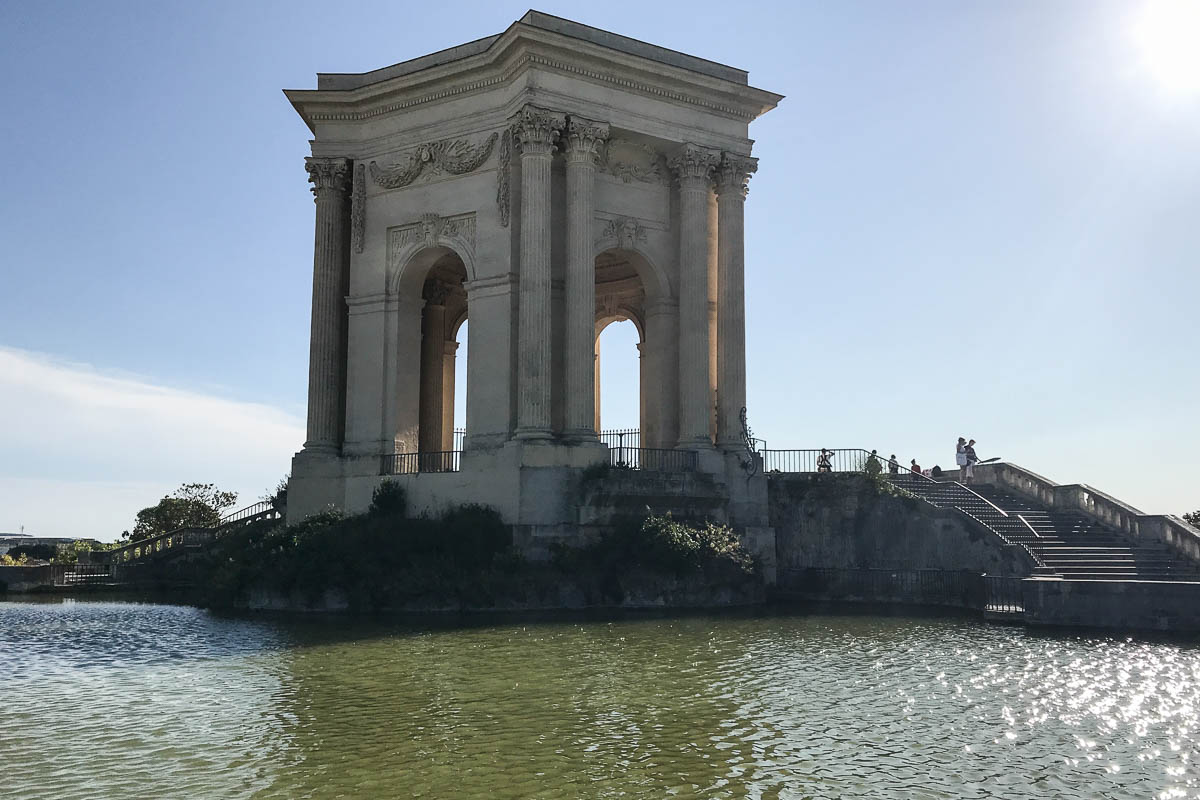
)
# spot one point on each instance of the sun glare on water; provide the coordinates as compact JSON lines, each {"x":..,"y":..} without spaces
{"x":1168,"y":34}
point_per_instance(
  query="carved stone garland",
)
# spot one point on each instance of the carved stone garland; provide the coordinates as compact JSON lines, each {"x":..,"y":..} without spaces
{"x":358,"y":208}
{"x":503,"y":176}
{"x":453,"y":156}
{"x":634,"y":161}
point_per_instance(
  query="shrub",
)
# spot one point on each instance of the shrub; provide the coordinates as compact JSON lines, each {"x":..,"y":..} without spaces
{"x":388,"y":499}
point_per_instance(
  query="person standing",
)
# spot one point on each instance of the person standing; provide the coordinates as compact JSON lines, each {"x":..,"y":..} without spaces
{"x":872,"y":466}
{"x":893,"y":465}
{"x":915,"y":469}
{"x":823,"y":461}
{"x":972,"y":460}
{"x":960,"y":458}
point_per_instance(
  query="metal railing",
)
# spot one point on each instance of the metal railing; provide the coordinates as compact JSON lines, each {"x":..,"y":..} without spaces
{"x":194,"y":536}
{"x":1003,"y":595}
{"x":460,"y":439}
{"x":956,"y":588}
{"x":266,"y":509}
{"x":632,"y":437}
{"x":411,"y":463}
{"x":623,"y":437}
{"x":81,"y":574}
{"x":653,"y":459}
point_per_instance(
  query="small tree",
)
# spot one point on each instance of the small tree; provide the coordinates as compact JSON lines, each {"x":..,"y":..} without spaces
{"x":192,"y":505}
{"x":1193,"y":518}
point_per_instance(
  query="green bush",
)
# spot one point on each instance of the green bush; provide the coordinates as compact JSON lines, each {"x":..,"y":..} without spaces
{"x":376,"y":559}
{"x":389,"y":499}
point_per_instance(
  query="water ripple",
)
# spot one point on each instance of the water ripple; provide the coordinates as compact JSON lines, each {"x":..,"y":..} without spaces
{"x":148,"y":701}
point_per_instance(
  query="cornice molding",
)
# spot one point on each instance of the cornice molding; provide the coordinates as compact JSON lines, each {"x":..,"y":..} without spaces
{"x":512,"y":55}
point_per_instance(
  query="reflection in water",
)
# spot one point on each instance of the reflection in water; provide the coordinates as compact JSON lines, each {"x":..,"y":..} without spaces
{"x":131,"y":701}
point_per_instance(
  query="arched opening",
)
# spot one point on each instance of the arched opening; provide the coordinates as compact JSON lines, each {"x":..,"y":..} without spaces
{"x":458,"y":417}
{"x":620,"y":406}
{"x":443,"y":314}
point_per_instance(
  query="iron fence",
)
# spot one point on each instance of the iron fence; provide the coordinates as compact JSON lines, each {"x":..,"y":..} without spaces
{"x":460,"y":439}
{"x":956,"y":588}
{"x":81,"y":574}
{"x":1003,"y":594}
{"x":622,"y":438}
{"x":410,"y":463}
{"x":653,"y":459}
{"x":263,"y":510}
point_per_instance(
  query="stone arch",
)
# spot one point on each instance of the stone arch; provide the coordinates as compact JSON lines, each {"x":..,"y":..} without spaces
{"x":415,"y":247}
{"x":627,"y":234}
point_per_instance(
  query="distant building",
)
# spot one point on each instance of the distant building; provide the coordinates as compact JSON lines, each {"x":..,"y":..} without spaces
{"x":10,"y":540}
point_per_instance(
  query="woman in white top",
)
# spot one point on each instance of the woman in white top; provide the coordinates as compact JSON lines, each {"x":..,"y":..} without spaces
{"x":960,"y":458}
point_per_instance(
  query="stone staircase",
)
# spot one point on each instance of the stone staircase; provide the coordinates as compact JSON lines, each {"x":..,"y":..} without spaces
{"x":1077,"y":546}
{"x":1066,"y":543}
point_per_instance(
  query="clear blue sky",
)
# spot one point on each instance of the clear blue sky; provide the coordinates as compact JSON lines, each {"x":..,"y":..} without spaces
{"x":970,"y":218}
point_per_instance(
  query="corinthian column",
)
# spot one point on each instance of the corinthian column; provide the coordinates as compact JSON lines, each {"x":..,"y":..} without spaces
{"x":583,"y":140}
{"x":431,"y":408}
{"x":536,"y":131}
{"x":732,"y":176}
{"x":693,"y":167}
{"x":327,"y":350}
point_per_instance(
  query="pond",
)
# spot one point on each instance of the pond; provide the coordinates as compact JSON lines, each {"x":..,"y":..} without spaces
{"x":136,"y":700}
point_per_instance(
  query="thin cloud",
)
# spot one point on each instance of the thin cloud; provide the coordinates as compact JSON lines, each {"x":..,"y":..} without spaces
{"x":84,"y":448}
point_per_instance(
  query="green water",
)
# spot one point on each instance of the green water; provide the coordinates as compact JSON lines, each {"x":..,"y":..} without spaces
{"x":123,"y":700}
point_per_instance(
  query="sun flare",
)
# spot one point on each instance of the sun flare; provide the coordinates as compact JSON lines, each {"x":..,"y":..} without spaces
{"x":1168,"y":34}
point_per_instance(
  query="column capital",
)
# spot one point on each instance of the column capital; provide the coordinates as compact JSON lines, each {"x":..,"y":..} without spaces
{"x":733,"y":174}
{"x":537,"y":130}
{"x":693,"y":165}
{"x":436,"y":292}
{"x":328,"y":175}
{"x":584,"y":139}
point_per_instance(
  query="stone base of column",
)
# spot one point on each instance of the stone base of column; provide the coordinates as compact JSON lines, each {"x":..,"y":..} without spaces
{"x":699,"y":443}
{"x":581,"y":437}
{"x":320,"y":449}
{"x":533,"y":435}
{"x":541,"y":453}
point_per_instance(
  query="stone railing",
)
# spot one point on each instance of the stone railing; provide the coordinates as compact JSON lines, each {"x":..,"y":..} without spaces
{"x":1164,"y":528}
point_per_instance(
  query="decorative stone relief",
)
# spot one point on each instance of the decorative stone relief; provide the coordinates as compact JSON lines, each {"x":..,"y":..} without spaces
{"x":327,"y":174}
{"x":358,"y":207}
{"x":634,"y":161}
{"x":692,"y":162}
{"x":584,"y":140}
{"x":431,"y":230}
{"x":734,"y":172}
{"x":626,"y":232}
{"x":453,"y":156}
{"x":537,"y":129}
{"x":436,"y":292}
{"x":504,"y":176}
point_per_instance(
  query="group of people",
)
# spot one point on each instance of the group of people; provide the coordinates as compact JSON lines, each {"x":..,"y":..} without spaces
{"x":964,"y":457}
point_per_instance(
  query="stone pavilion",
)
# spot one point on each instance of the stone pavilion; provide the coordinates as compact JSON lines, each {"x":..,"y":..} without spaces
{"x":542,"y":183}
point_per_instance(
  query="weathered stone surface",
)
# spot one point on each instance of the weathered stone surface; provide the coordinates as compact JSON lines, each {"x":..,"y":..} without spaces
{"x":527,"y":175}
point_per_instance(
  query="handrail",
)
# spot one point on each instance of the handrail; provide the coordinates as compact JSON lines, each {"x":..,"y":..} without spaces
{"x":1027,"y":525}
{"x":653,"y":459}
{"x":140,"y":548}
{"x":412,"y":463}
